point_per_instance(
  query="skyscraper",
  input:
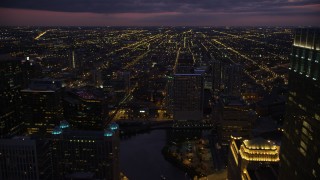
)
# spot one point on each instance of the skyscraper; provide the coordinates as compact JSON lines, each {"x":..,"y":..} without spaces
{"x":187,"y":89}
{"x":216,"y":75}
{"x":169,"y":96}
{"x":233,"y":116}
{"x":300,"y":149}
{"x":85,"y":108}
{"x":96,"y":78}
{"x":90,"y":154}
{"x":11,"y":80}
{"x":73,"y":61}
{"x":42,"y":107}
{"x":232,"y":79}
{"x":31,"y":69}
{"x":227,"y":77}
{"x":25,"y":158}
{"x":14,"y":76}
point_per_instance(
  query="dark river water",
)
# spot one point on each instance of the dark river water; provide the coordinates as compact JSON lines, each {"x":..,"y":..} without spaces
{"x":141,"y":158}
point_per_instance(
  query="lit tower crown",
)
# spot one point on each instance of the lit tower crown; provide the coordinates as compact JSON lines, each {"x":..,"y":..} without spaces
{"x":113,"y":126}
{"x":111,"y":129}
{"x":57,"y":130}
{"x":108,"y":133}
{"x":248,"y":157}
{"x":64,"y":124}
{"x":259,"y":150}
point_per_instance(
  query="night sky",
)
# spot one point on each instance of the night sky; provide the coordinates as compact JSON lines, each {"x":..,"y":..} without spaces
{"x":160,"y":12}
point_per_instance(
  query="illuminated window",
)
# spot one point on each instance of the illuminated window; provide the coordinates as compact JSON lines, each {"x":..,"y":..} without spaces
{"x":302,"y":107}
{"x":293,"y":93}
{"x":304,"y":138}
{"x":303,"y":152}
{"x":303,"y":145}
{"x":307,"y":133}
{"x":302,"y":61}
{"x":316,"y":67}
{"x":296,"y":60}
{"x":317,"y":116}
{"x":307,"y":125}
{"x":308,"y":68}
{"x":285,"y":159}
{"x":310,"y":55}
{"x":318,"y":58}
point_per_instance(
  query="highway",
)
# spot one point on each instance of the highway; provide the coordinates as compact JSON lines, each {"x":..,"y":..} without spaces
{"x":41,"y":34}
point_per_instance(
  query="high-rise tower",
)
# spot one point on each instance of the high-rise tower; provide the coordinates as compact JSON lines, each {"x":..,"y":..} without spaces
{"x":11,"y":80}
{"x":90,"y":154}
{"x":85,"y":108}
{"x":41,"y":105}
{"x":14,"y":76}
{"x":300,"y":149}
{"x":187,"y":89}
{"x":23,"y":157}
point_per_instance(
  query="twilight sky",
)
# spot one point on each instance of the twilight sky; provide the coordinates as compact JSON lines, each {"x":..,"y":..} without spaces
{"x":160,"y":12}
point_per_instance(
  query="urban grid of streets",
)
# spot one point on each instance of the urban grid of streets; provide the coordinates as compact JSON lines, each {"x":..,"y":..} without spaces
{"x":149,"y":55}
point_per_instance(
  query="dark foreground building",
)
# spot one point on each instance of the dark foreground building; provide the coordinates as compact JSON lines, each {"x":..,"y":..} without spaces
{"x":300,"y":149}
{"x":25,"y":158}
{"x":11,"y":80}
{"x":85,"y":154}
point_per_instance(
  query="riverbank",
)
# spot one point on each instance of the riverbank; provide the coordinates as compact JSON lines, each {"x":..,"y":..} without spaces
{"x":192,"y":156}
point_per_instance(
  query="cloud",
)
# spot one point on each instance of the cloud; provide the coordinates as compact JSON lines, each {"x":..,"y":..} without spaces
{"x":155,"y":6}
{"x":160,"y":12}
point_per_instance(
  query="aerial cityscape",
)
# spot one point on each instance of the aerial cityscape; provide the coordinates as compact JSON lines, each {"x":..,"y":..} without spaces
{"x":175,"y":90}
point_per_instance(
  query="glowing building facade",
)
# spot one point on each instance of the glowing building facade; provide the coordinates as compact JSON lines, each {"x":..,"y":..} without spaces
{"x":246,"y":156}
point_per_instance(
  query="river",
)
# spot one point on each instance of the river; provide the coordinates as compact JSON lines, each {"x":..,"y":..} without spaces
{"x":141,"y":158}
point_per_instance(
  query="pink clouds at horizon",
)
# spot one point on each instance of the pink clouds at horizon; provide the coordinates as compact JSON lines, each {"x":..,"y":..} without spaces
{"x":24,"y":17}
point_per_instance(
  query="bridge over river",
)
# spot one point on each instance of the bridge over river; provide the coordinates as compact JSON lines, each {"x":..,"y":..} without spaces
{"x":131,"y":126}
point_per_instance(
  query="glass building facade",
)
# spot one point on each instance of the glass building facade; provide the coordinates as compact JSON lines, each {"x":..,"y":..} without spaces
{"x":300,"y":149}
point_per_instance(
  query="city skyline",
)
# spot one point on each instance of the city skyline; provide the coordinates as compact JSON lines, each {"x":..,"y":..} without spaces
{"x":123,"y":103}
{"x":160,"y":13}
